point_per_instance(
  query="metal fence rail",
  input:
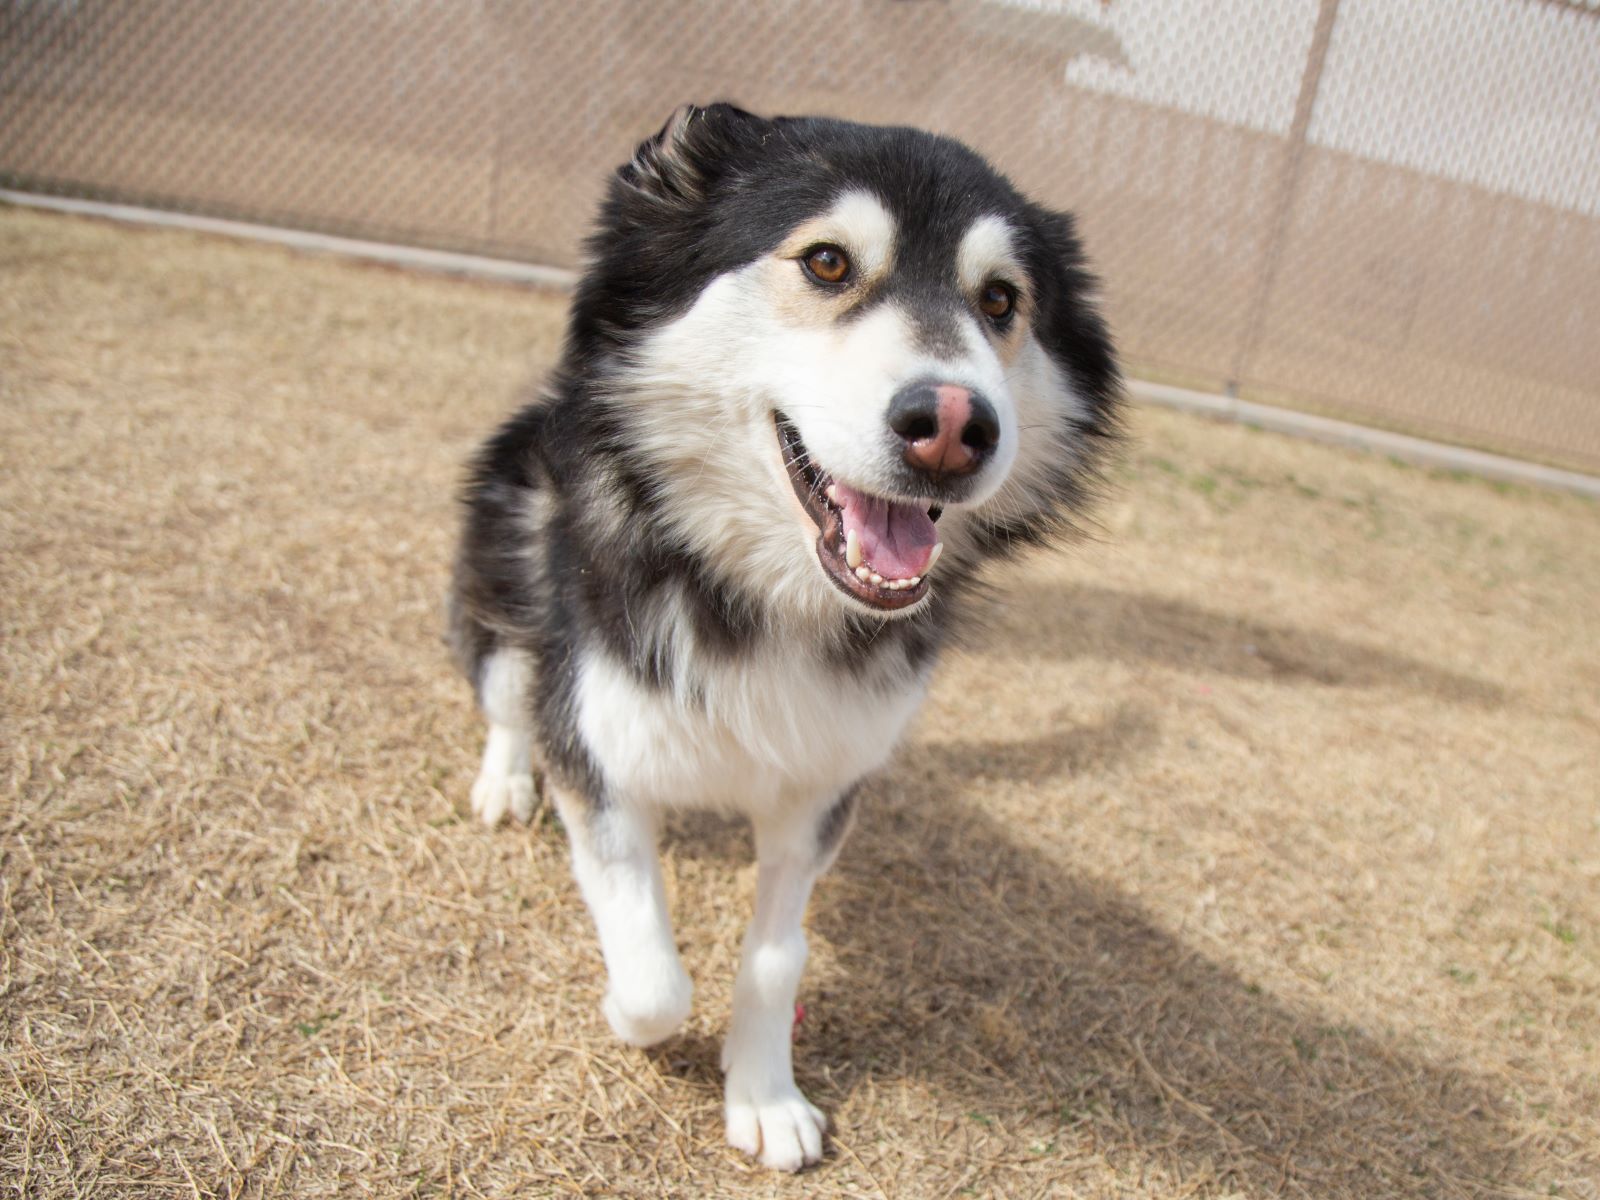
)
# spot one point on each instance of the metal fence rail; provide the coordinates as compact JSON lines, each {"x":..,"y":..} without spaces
{"x":1387,"y":209}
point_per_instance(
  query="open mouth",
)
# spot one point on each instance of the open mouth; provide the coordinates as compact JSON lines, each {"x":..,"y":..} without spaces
{"x":879,"y":551}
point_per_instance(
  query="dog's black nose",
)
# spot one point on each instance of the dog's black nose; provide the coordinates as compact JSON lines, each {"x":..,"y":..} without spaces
{"x":948,"y":430}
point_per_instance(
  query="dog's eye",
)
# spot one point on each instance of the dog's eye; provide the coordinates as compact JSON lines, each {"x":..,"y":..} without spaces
{"x":827,"y":264}
{"x":997,"y":301}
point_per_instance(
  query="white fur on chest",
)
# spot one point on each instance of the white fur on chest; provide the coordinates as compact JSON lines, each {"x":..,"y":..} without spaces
{"x":758,"y":729}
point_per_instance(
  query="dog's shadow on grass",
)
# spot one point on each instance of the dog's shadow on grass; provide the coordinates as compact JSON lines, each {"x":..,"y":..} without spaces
{"x":1050,"y":1003}
{"x":1086,"y":621}
{"x":1053,"y":1003}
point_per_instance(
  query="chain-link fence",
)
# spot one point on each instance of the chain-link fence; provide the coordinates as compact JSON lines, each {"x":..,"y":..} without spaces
{"x":1383,"y":208}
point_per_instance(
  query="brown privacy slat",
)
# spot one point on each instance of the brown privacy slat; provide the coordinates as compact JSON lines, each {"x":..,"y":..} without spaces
{"x":1257,"y":253}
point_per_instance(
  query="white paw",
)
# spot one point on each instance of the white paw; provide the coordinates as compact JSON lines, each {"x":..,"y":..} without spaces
{"x":495,"y":795}
{"x":782,"y":1128}
{"x":647,"y":1013}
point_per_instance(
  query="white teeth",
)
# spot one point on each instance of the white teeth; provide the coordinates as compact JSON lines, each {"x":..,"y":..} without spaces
{"x":864,"y":572}
{"x":868,"y":575}
{"x":938,"y":548}
{"x":833,"y":492}
{"x":852,"y":549}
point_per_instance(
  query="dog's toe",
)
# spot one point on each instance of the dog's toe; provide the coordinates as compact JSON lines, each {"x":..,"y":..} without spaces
{"x":744,"y":1129}
{"x":493,"y":796}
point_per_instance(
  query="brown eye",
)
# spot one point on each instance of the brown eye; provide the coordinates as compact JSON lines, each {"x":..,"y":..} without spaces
{"x":997,"y":301}
{"x":827,"y":264}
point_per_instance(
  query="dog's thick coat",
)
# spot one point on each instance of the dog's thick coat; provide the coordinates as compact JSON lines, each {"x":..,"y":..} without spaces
{"x":703,"y":567}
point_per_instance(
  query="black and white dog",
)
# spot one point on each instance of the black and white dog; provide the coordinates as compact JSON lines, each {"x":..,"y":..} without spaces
{"x":816,"y":374}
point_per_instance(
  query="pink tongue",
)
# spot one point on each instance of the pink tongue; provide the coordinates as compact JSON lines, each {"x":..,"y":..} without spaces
{"x":896,"y":539}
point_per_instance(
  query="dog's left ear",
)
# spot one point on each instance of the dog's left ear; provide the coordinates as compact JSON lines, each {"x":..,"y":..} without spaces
{"x":694,"y":147}
{"x":1068,"y":320}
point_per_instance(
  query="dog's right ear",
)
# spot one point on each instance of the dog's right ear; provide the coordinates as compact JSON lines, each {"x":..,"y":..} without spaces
{"x":695,"y":145}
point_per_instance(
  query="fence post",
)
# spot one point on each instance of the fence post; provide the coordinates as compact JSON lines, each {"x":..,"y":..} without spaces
{"x":1288,"y":186}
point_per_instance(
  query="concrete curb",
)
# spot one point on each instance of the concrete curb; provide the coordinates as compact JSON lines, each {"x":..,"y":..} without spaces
{"x":415,"y":258}
{"x":1418,"y":451}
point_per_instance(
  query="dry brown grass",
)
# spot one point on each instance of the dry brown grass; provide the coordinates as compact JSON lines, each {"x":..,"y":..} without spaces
{"x":1256,"y":853}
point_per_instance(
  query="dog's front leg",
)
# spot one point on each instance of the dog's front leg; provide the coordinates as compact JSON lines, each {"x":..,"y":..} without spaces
{"x":767,"y":1115}
{"x":614,"y":859}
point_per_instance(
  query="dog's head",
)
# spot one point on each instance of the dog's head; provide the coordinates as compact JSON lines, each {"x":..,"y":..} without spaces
{"x":848,"y":353}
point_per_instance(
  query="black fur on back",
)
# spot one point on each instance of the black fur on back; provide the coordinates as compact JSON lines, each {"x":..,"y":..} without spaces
{"x":563,"y":546}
